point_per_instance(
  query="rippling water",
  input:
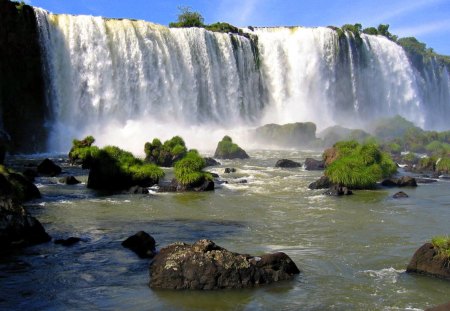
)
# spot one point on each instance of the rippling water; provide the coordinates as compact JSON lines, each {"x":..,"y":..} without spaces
{"x":352,"y":251}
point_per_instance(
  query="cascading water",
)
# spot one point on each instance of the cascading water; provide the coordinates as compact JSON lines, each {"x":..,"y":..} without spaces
{"x":123,"y":79}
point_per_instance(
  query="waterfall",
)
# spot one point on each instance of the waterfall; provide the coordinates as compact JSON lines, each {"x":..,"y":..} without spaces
{"x":127,"y":81}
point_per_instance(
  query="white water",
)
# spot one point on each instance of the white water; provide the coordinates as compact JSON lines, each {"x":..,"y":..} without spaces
{"x":126,"y":82}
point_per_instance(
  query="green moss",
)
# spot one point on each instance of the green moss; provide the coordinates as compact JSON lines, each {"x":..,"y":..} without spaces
{"x":82,"y":151}
{"x":226,"y":149}
{"x":442,"y":244}
{"x":188,"y":171}
{"x":165,"y":154}
{"x":359,"y":166}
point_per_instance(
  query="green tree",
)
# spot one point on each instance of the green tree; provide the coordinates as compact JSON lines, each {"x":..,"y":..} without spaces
{"x":188,"y":18}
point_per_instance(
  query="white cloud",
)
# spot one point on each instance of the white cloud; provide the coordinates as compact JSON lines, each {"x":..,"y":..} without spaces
{"x":428,"y":28}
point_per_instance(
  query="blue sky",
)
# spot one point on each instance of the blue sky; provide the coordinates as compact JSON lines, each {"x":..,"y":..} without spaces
{"x":427,"y":20}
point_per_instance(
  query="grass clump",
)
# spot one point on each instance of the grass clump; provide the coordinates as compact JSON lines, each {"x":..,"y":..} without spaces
{"x":358,"y":166}
{"x":442,"y":244}
{"x":188,"y":171}
{"x":166,"y":154}
{"x":82,"y":151}
{"x":443,"y":165}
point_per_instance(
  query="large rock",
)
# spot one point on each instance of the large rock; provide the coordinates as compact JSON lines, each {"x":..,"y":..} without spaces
{"x":400,"y":195}
{"x":175,"y":186}
{"x":48,"y":168}
{"x":142,"y":243}
{"x":322,"y":183}
{"x":69,"y":180}
{"x":289,"y":135}
{"x":427,"y":260}
{"x":285,"y":163}
{"x":17,"y":186}
{"x":314,"y":165}
{"x":404,"y":181}
{"x":205,"y":265}
{"x":211,"y":162}
{"x":17,"y":228}
{"x":226,"y":149}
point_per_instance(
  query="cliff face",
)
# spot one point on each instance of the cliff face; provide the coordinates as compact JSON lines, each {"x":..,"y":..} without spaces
{"x":22,"y":100}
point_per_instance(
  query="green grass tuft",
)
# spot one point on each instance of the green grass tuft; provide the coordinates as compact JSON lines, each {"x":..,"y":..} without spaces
{"x":442,"y":244}
{"x":188,"y":171}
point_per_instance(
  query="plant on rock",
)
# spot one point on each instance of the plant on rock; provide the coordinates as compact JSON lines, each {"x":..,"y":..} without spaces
{"x":166,"y":154}
{"x":442,"y":245}
{"x":359,"y":166}
{"x":188,"y":171}
{"x":82,"y":151}
{"x":226,"y":149}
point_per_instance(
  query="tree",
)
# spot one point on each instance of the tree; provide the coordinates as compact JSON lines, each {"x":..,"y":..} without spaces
{"x":188,"y":18}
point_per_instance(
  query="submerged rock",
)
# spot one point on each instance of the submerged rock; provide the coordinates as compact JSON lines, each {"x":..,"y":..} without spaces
{"x":428,"y":260}
{"x":229,"y":170}
{"x":404,"y":181}
{"x":207,"y":266}
{"x":142,"y":243}
{"x":314,"y":165}
{"x":322,"y":183}
{"x":69,"y":180}
{"x":211,"y":162}
{"x":175,"y":186}
{"x":17,"y":227}
{"x":67,"y":242}
{"x":137,"y":190}
{"x":336,"y":190}
{"x":285,"y":163}
{"x":400,"y":195}
{"x":48,"y":168}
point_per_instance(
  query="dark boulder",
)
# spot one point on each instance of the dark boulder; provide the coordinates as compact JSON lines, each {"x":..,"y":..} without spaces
{"x":30,"y":174}
{"x":285,"y":163}
{"x":68,"y":242}
{"x":17,"y":228}
{"x":400,"y":195}
{"x":336,"y":191}
{"x":229,"y":170}
{"x":207,"y":266}
{"x":314,"y":165}
{"x":214,"y":175}
{"x":428,"y":260}
{"x":404,"y":181}
{"x":137,"y":190}
{"x":17,"y":186}
{"x":322,"y":183}
{"x":175,"y":186}
{"x":48,"y":168}
{"x":142,"y":243}
{"x":69,"y":180}
{"x":211,"y":162}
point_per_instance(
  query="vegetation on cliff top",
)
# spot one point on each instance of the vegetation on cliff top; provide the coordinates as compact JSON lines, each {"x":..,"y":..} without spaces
{"x":358,"y":166}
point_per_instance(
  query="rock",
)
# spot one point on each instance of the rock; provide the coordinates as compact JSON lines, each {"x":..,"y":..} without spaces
{"x":207,"y":266}
{"x":17,"y":228}
{"x":17,"y":186}
{"x":142,"y":243}
{"x":242,"y":181}
{"x":322,"y":183}
{"x":427,"y":260}
{"x":443,"y":307}
{"x":69,"y":180}
{"x":229,"y":170}
{"x":30,"y":174}
{"x":404,"y":181}
{"x":314,"y":165}
{"x":48,"y":168}
{"x":226,"y":149}
{"x":214,"y":175}
{"x":175,"y":186}
{"x":285,"y":163}
{"x":211,"y":162}
{"x":137,"y":190}
{"x":400,"y":195}
{"x":291,"y":135}
{"x":336,"y":190}
{"x":68,"y":242}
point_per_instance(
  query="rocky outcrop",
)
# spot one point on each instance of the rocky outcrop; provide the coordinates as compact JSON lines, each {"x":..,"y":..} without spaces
{"x":428,"y":260}
{"x":142,"y":243}
{"x":322,"y":183}
{"x":314,"y":165}
{"x":17,"y":228}
{"x":207,"y":266}
{"x":48,"y":168}
{"x":22,"y":93}
{"x":285,"y":163}
{"x":226,"y":149}
{"x":175,"y":186}
{"x":289,"y":135}
{"x":404,"y":181}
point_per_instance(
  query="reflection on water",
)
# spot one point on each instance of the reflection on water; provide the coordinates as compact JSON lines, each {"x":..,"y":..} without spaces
{"x":352,"y":250}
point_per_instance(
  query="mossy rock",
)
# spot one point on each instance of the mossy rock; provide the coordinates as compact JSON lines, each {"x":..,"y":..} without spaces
{"x":226,"y":149}
{"x":82,"y":151}
{"x":166,"y":154}
{"x":287,"y":135}
{"x":189,"y":175}
{"x":17,"y":186}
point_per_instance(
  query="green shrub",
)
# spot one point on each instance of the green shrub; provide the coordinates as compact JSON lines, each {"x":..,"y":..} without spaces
{"x":226,"y":149}
{"x":165,"y":154}
{"x":443,"y":165}
{"x":442,"y":244}
{"x":427,"y":163}
{"x":188,"y":171}
{"x":359,"y":166}
{"x":188,"y":18}
{"x":82,"y":151}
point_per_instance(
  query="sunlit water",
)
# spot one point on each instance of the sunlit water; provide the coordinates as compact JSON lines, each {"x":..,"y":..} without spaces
{"x":352,"y":251}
